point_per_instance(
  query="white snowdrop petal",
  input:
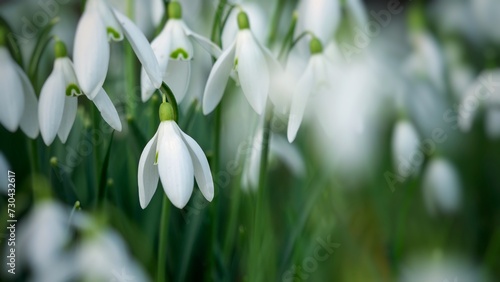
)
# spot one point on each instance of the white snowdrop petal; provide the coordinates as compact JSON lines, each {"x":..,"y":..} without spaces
{"x":208,"y":45}
{"x":405,"y":149}
{"x":201,"y":167}
{"x":321,"y":17}
{"x":141,"y":48}
{"x":299,"y":101}
{"x":177,"y":77}
{"x":493,"y":123}
{"x":253,"y":72}
{"x":51,"y":105}
{"x":113,"y":27}
{"x":69,"y":115}
{"x":11,"y":96}
{"x":181,"y":47}
{"x":217,"y":79}
{"x":29,"y":120}
{"x":148,"y":172}
{"x":442,"y":188}
{"x":108,"y":110}
{"x":91,"y":53}
{"x":175,"y":166}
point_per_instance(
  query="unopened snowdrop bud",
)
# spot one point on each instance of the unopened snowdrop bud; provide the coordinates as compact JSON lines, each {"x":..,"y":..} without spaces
{"x":442,"y":188}
{"x":243,"y":22}
{"x":174,"y":10}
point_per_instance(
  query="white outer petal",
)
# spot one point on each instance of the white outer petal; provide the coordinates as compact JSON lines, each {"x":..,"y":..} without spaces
{"x":253,"y":72}
{"x":68,"y":117}
{"x":11,"y":95}
{"x":493,"y":123}
{"x":321,"y":17}
{"x":51,"y":106}
{"x":442,"y":188}
{"x":405,"y":144}
{"x":299,"y":100}
{"x":208,"y":45}
{"x":177,"y":77}
{"x":29,"y":121}
{"x":161,"y":48}
{"x":91,"y":53}
{"x":148,"y":172}
{"x":141,"y":48}
{"x":175,"y":165}
{"x":108,"y":110}
{"x":217,"y":79}
{"x":201,"y":167}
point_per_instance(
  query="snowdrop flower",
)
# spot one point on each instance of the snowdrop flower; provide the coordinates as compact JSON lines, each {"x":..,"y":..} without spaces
{"x":174,"y":51}
{"x":407,"y":157}
{"x":99,"y":23}
{"x":441,"y":187}
{"x":173,"y":157}
{"x":315,"y":79}
{"x":250,"y":62}
{"x":18,"y":102}
{"x":482,"y":94}
{"x":322,"y":17}
{"x":59,"y":100}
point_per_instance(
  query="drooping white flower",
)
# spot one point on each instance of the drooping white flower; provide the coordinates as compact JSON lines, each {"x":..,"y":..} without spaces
{"x":18,"y":102}
{"x":249,"y":61}
{"x":441,"y":187}
{"x":173,"y":49}
{"x":316,"y":79}
{"x":99,"y":23}
{"x":174,"y":158}
{"x":406,"y":155}
{"x":321,"y":17}
{"x":482,"y":95}
{"x":59,"y":100}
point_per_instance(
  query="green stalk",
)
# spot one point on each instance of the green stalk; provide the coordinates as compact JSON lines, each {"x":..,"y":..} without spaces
{"x":130,"y":67}
{"x":163,"y":241}
{"x":276,"y":21}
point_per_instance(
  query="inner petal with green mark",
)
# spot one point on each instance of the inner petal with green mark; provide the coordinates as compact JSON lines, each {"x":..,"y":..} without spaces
{"x":73,"y":90}
{"x":113,"y":33}
{"x":156,"y":158}
{"x":179,"y":54}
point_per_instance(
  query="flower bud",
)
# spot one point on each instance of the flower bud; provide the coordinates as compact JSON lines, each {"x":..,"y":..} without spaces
{"x":315,"y":46}
{"x":174,"y":10}
{"x":60,"y":49}
{"x":166,"y":112}
{"x":243,"y":22}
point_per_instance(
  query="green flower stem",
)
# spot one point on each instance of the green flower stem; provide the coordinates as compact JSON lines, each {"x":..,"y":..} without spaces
{"x":43,"y":40}
{"x":130,"y":67}
{"x":276,"y":21}
{"x":163,"y":240}
{"x":285,"y":48}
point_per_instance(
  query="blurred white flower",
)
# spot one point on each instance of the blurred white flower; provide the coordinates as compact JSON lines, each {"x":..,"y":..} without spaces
{"x":91,"y":54}
{"x":316,"y":79}
{"x":405,"y":149}
{"x":440,"y":268}
{"x":358,"y":12}
{"x":441,"y":187}
{"x":103,"y":256}
{"x":482,"y":94}
{"x":4,"y":180}
{"x":174,"y":157}
{"x":18,"y":102}
{"x":174,"y":51}
{"x":426,"y":62}
{"x":59,"y":100}
{"x":321,"y":17}
{"x":251,"y":63}
{"x":486,"y":12}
